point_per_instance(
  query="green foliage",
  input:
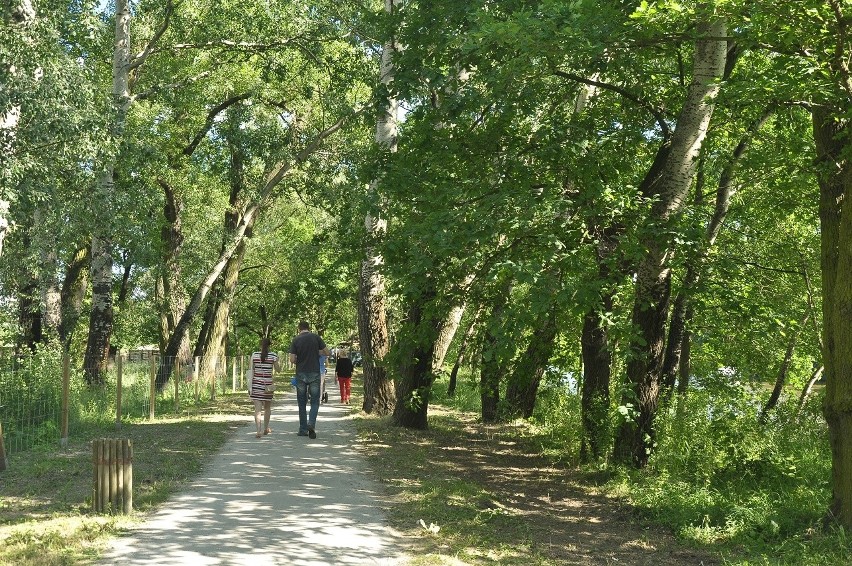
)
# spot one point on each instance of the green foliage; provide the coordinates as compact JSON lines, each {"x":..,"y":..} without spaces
{"x":557,"y":418}
{"x":719,"y":476}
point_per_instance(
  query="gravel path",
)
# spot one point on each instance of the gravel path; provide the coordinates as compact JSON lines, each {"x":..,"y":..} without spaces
{"x":282,"y":499}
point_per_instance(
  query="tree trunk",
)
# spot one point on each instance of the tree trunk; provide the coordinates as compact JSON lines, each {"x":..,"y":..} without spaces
{"x":417,"y":348}
{"x":460,"y":358}
{"x":101,"y":317}
{"x":597,"y":371}
{"x":522,"y":388}
{"x":379,"y":396}
{"x":72,"y":294}
{"x":121,"y":300}
{"x":808,"y":388}
{"x":29,"y":315}
{"x":171,"y":293}
{"x":596,"y":351}
{"x":447,"y":331}
{"x":725,"y":190}
{"x":492,"y":368}
{"x":685,"y":364}
{"x":781,"y":379}
{"x":213,"y":338}
{"x":636,"y":435}
{"x":833,"y":146}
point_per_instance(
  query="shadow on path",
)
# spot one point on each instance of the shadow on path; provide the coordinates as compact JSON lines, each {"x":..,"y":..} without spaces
{"x":282,"y":499}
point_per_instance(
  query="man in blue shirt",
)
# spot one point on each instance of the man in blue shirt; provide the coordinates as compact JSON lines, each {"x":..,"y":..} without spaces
{"x":304,"y":353}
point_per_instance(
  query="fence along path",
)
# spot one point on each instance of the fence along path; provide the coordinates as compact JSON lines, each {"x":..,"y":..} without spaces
{"x":44,"y":400}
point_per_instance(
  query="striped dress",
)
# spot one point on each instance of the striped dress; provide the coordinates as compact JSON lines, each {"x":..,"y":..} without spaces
{"x":262,"y":376}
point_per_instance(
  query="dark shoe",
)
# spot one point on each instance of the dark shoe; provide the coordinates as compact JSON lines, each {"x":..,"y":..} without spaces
{"x":303,"y":433}
{"x":325,"y":397}
{"x":311,"y":432}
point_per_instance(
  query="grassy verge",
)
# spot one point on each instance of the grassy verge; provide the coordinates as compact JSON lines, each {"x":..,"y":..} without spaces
{"x":460,"y":493}
{"x":467,"y":493}
{"x":45,"y":494}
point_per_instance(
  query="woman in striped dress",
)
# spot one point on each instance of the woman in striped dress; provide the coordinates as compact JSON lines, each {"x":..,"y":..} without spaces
{"x":261,"y":389}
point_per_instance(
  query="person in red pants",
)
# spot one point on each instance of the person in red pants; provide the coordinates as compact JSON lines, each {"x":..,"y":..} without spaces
{"x":343,"y":371}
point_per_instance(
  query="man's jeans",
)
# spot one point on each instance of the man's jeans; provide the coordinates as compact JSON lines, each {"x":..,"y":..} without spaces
{"x":307,"y":382}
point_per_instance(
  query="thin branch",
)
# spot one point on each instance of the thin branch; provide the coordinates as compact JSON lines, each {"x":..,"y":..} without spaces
{"x":282,"y":169}
{"x":230,"y":44}
{"x":211,"y":118}
{"x":656,"y":113}
{"x":149,"y":48}
{"x":766,"y":268}
{"x":172,"y":86}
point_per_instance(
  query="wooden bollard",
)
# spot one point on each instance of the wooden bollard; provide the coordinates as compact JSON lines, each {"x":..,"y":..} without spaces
{"x":113,"y":475}
{"x":2,"y":450}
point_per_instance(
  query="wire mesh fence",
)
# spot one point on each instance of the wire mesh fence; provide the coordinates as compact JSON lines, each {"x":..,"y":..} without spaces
{"x":44,"y":398}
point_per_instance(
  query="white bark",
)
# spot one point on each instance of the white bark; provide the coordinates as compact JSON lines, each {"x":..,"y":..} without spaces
{"x":372,"y":325}
{"x":100,"y":321}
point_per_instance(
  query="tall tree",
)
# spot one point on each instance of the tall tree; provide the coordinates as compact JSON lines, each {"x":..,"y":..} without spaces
{"x":101,"y":315}
{"x":669,"y":183}
{"x":373,"y":332}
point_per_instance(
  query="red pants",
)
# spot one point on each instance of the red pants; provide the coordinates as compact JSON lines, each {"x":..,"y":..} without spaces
{"x":345,"y":384}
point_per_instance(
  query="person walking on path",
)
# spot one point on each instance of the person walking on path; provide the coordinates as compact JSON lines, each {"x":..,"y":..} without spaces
{"x":304,"y":353}
{"x":343,"y":369}
{"x":261,"y":388}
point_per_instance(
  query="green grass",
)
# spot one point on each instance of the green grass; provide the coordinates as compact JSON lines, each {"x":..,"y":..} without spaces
{"x":486,"y":494}
{"x":45,"y":508}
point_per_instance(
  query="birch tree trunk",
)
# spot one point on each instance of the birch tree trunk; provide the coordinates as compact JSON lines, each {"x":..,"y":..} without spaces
{"x":446,"y":333}
{"x":379,"y":395}
{"x":101,"y":317}
{"x":461,"y":358}
{"x":636,"y":435}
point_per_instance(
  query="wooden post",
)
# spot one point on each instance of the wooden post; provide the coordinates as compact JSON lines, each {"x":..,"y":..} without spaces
{"x":152,"y":389}
{"x":214,"y":377}
{"x":105,"y":460}
{"x":234,"y":375}
{"x":177,"y":386}
{"x":119,"y":375}
{"x":119,"y":473}
{"x":195,"y":363}
{"x":112,"y":471}
{"x":127,"y":473}
{"x":96,"y":457}
{"x":112,"y":460}
{"x":2,"y":450}
{"x":66,"y":391}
